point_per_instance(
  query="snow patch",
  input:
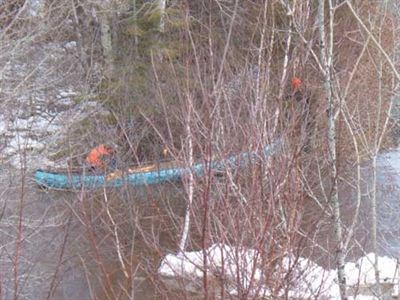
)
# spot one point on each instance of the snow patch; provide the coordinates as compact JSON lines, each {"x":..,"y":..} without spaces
{"x":241,"y":271}
{"x":362,"y":272}
{"x":70,"y":45}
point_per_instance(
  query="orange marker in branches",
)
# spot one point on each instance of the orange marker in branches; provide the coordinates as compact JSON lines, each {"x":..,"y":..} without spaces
{"x":296,"y":83}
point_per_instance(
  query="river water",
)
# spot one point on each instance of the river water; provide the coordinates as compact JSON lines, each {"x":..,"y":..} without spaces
{"x":58,"y":257}
{"x":389,"y":202}
{"x":53,"y":257}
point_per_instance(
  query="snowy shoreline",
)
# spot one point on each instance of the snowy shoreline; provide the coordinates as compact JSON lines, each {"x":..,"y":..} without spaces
{"x":241,"y":272}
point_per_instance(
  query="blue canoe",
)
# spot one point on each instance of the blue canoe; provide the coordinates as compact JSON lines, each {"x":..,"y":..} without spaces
{"x":71,"y":181}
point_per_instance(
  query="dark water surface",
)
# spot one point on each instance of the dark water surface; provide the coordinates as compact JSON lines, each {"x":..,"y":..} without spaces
{"x":389,"y":202}
{"x":55,"y":258}
{"x":47,"y":251}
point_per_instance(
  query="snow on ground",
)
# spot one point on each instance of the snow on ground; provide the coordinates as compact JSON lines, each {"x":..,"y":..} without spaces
{"x":362,"y":271}
{"x":240,"y":270}
{"x":44,"y":91}
{"x":40,"y":98}
{"x":31,"y":137}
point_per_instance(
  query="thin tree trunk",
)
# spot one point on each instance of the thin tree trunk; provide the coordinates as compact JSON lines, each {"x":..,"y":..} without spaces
{"x":285,"y":62}
{"x":375,"y":150}
{"x":186,"y":226}
{"x":106,"y":40}
{"x":161,"y":7}
{"x":79,"y":27}
{"x":135,"y":36}
{"x":379,"y":134}
{"x":326,"y":60}
{"x":374,"y":226}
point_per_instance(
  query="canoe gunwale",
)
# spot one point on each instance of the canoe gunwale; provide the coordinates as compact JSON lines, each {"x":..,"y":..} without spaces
{"x":87,"y":170}
{"x":145,"y":174}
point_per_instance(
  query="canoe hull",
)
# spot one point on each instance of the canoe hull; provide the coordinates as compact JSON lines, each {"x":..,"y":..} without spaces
{"x":78,"y":181}
{"x":73,"y":181}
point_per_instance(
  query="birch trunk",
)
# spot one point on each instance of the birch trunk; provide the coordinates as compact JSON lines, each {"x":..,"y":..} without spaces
{"x":326,"y":55}
{"x":190,"y":188}
{"x":134,"y":15}
{"x":79,"y":28}
{"x":374,"y":227}
{"x":161,"y":7}
{"x":379,"y":135}
{"x":106,"y":38}
{"x":383,"y":56}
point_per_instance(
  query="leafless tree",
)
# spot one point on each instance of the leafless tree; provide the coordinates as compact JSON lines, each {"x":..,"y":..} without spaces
{"x":206,"y":83}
